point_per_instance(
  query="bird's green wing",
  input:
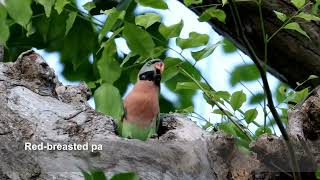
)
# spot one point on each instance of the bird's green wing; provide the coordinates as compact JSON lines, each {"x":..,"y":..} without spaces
{"x":130,"y":130}
{"x":119,"y":122}
{"x":154,"y":126}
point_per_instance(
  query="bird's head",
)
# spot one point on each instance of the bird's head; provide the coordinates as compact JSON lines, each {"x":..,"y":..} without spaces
{"x":152,"y":71}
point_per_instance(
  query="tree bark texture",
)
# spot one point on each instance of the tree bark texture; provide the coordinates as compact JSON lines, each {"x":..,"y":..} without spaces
{"x":292,"y":57}
{"x":36,"y":108}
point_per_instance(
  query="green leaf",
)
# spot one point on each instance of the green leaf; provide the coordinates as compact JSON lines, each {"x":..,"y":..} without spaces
{"x":20,"y":11}
{"x":108,"y":101}
{"x":4,"y":32}
{"x":157,"y":4}
{"x":315,"y":7}
{"x":281,"y":16}
{"x":195,"y":40}
{"x":86,"y":175}
{"x":298,"y":96}
{"x":224,"y":2}
{"x":191,"y":2}
{"x":246,"y":72}
{"x":228,"y":128}
{"x":295,"y":26}
{"x":138,"y":40}
{"x":237,"y":99}
{"x":29,"y":29}
{"x":171,"y":69}
{"x":94,"y":174}
{"x":125,"y":176}
{"x":222,"y":94}
{"x":60,"y":5}
{"x":98,"y":175}
{"x":250,"y":115}
{"x":298,"y":3}
{"x":171,"y":31}
{"x":108,"y":66}
{"x":228,"y":46}
{"x":69,"y":22}
{"x":204,"y":52}
{"x":47,"y":4}
{"x":113,"y":16}
{"x":148,"y":19}
{"x":308,"y":17}
{"x":256,"y":98}
{"x":89,"y":5}
{"x":281,"y":92}
{"x":261,"y":130}
{"x":213,"y":12}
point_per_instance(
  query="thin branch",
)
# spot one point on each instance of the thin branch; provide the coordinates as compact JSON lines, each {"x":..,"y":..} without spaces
{"x":268,"y":93}
{"x":206,"y":5}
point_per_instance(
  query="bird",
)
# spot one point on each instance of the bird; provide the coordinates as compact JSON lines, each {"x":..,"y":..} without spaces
{"x":141,"y":106}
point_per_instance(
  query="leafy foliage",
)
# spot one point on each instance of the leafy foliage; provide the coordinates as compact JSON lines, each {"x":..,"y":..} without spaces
{"x":298,"y":3}
{"x":157,"y":4}
{"x":237,"y":99}
{"x":194,"y":40}
{"x":295,"y":26}
{"x":97,"y":174}
{"x":148,"y":19}
{"x":281,"y":16}
{"x":244,"y":73}
{"x":108,"y":100}
{"x":204,"y":52}
{"x":141,"y":44}
{"x":250,"y":115}
{"x":19,"y":11}
{"x":171,"y":31}
{"x":213,"y":12}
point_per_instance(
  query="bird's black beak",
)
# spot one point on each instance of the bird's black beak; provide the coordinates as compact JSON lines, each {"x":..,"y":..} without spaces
{"x":159,"y":67}
{"x":157,"y":75}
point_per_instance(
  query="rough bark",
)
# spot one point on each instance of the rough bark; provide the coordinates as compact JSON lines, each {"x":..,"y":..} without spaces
{"x":291,"y":56}
{"x":36,"y":107}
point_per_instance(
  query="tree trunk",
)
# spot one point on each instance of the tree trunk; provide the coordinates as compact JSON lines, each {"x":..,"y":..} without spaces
{"x":291,"y":56}
{"x":36,"y":108}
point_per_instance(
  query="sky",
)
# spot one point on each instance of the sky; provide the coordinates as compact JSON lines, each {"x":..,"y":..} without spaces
{"x":216,"y":68}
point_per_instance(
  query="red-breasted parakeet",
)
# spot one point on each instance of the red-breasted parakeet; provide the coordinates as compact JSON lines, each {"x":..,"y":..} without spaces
{"x":141,"y":105}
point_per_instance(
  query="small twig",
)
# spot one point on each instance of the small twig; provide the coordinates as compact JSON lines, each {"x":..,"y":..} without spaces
{"x":206,"y":5}
{"x":70,"y":116}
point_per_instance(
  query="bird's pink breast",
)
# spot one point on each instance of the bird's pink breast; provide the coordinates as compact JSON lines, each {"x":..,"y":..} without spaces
{"x":142,"y":103}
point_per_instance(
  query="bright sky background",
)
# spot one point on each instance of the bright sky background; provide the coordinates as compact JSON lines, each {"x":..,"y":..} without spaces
{"x":215,"y":68}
